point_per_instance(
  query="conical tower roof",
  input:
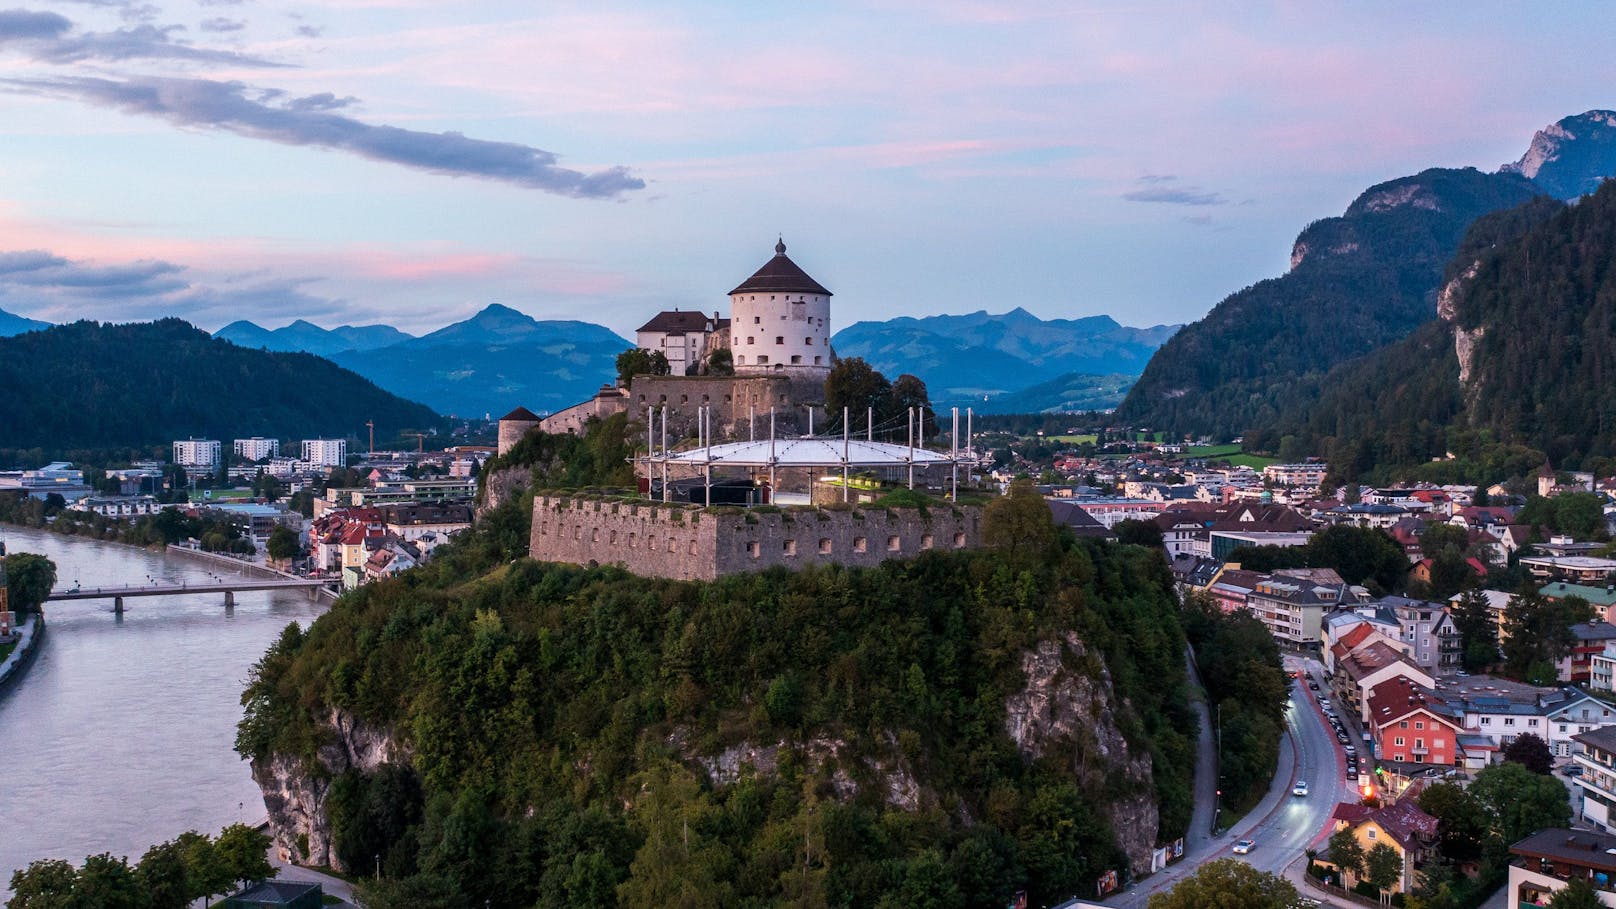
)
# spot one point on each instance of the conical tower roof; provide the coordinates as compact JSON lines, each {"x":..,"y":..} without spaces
{"x":780,"y":275}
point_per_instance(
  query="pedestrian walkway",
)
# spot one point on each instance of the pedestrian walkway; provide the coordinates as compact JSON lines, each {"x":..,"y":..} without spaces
{"x":25,"y":644}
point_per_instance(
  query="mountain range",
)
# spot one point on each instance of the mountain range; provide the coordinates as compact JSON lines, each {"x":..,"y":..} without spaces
{"x":1357,"y":283}
{"x":11,"y":324}
{"x":981,"y":357}
{"x":307,"y":337}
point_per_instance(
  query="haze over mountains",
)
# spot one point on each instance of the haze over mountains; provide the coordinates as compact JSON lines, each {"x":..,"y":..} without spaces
{"x":1357,"y":284}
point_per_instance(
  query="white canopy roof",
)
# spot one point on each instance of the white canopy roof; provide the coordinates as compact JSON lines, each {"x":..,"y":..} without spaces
{"x":820,"y":452}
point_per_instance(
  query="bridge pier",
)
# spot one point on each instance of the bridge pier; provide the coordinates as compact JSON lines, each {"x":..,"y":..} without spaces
{"x":229,"y":598}
{"x":117,"y":605}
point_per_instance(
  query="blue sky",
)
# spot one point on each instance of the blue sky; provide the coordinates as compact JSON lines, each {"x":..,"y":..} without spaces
{"x":410,"y":161}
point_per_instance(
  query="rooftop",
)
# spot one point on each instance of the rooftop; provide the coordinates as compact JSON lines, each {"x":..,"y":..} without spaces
{"x":1582,"y":848}
{"x":780,"y":275}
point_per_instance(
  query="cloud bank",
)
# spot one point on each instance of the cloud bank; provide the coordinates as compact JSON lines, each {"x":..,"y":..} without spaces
{"x":309,"y":121}
{"x":46,"y":38}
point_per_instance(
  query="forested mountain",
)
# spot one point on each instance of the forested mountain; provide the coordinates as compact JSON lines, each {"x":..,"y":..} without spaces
{"x":495,"y":361}
{"x":310,"y":338}
{"x":99,"y":385}
{"x":964,"y":358}
{"x":12,"y":324}
{"x":1073,"y":392}
{"x":943,"y":731}
{"x":1573,"y":156}
{"x":1518,"y":367}
{"x":1357,"y":283}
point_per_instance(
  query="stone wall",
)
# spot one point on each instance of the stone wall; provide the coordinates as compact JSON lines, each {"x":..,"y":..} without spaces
{"x":511,"y":432}
{"x":734,"y":399}
{"x":608,"y":401}
{"x":692,"y":543}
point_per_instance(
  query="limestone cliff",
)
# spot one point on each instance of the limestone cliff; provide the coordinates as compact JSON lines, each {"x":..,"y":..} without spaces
{"x":295,"y":792}
{"x":499,"y":486}
{"x":1068,"y":703}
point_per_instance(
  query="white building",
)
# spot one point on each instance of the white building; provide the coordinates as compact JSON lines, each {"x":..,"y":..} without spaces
{"x":780,"y":321}
{"x":257,"y":448}
{"x":197,"y":453}
{"x":118,"y":506}
{"x":685,"y":338}
{"x":1296,"y":474}
{"x":326,"y":452}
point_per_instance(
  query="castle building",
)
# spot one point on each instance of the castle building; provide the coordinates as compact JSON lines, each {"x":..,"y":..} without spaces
{"x":780,"y":321}
{"x":686,"y":338}
{"x":513,"y":426}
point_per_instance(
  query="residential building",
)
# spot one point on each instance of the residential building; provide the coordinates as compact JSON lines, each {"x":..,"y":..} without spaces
{"x":1347,"y":630}
{"x":1232,"y":586}
{"x":1497,"y":602}
{"x":1309,"y":474}
{"x":1590,"y":570}
{"x":1591,"y":641}
{"x":1501,"y":709}
{"x":1293,"y":605}
{"x":1596,"y":756}
{"x":686,"y":338}
{"x":1428,"y":633}
{"x":1543,"y":863}
{"x":1371,"y":663}
{"x":118,"y":507}
{"x":1401,"y":825}
{"x":257,"y":448}
{"x":1364,"y":515}
{"x":1602,"y":599}
{"x":197,"y":454}
{"x":412,"y":520}
{"x":1413,"y":726}
{"x":326,"y":452}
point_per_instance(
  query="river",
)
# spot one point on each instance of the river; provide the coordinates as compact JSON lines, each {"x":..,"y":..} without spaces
{"x":120,"y":734}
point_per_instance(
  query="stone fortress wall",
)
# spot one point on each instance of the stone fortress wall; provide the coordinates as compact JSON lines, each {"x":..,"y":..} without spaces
{"x":691,"y":543}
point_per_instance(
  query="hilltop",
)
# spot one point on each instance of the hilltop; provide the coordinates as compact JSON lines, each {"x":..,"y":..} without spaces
{"x":100,"y":385}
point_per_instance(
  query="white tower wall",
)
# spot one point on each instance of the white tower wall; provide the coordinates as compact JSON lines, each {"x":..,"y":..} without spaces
{"x":780,"y":333}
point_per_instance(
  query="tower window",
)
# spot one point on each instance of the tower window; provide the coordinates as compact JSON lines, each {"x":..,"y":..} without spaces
{"x":808,"y":341}
{"x":816,"y":361}
{"x":757,"y":320}
{"x":763,"y":360}
{"x":749,"y":340}
{"x":795,"y":359}
{"x":779,"y":340}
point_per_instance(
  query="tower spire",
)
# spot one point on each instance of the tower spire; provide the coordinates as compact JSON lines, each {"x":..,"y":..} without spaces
{"x":780,"y":246}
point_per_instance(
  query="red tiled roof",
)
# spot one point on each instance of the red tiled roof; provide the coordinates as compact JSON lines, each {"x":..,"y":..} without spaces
{"x":1359,"y":633}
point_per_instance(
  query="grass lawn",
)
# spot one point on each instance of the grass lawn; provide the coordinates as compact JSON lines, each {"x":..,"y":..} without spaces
{"x":1210,"y":451}
{"x":222,"y":495}
{"x":1255,"y":462}
{"x":1085,"y":438}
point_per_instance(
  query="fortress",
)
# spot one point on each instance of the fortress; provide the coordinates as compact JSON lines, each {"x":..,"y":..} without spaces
{"x":778,"y":336}
{"x":689,"y":542}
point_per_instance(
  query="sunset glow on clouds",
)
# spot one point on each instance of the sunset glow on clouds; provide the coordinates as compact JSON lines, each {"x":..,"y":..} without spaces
{"x":409,"y":162}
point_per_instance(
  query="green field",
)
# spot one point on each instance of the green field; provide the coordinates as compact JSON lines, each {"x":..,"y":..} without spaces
{"x":221,"y":495}
{"x":1255,"y":462}
{"x":1081,"y":439}
{"x":1210,"y":451}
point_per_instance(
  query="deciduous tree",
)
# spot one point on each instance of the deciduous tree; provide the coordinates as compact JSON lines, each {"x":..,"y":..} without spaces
{"x":1228,"y":882}
{"x":1521,"y":802}
{"x":1530,"y":752}
{"x":1383,"y":866}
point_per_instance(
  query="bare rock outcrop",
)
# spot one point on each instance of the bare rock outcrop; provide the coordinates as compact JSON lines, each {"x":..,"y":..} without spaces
{"x":1068,"y":700}
{"x":295,"y":794}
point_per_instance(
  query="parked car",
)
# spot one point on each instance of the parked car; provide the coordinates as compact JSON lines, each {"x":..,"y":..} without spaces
{"x":1300,"y":788}
{"x":1571,"y":770}
{"x":1313,"y":685}
{"x":1244,"y":846}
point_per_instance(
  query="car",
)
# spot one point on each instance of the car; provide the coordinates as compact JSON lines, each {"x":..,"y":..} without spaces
{"x":1324,"y":703}
{"x":1244,"y":846}
{"x":1571,"y":770}
{"x":1313,"y":685}
{"x":1300,"y":788}
{"x":1351,"y":750}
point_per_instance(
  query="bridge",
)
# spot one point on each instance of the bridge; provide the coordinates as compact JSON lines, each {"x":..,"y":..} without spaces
{"x":228,"y":588}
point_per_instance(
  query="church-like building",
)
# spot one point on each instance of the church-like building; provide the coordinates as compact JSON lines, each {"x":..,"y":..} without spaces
{"x":778,"y":336}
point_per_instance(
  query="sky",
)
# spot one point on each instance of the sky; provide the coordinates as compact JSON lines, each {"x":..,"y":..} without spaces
{"x":409,"y":162}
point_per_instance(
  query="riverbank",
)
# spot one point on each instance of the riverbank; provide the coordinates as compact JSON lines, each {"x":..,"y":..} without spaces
{"x":29,"y":637}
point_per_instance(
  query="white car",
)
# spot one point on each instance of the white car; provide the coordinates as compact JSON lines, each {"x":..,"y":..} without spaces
{"x":1300,"y":788}
{"x":1244,"y":846}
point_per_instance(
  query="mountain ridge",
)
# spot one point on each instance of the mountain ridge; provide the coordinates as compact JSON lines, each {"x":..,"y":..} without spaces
{"x":13,"y":324}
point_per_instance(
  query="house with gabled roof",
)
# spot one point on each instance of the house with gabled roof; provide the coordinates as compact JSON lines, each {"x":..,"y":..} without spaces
{"x":1401,"y":825}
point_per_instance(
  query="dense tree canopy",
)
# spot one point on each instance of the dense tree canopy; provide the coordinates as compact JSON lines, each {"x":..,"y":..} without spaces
{"x":555,"y":717}
{"x":1228,"y":884}
{"x":637,"y":361}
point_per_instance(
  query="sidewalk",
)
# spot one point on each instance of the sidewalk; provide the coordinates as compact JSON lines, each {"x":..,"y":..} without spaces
{"x":27,"y":641}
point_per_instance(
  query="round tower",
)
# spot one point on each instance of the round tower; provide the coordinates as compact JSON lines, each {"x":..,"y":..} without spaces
{"x":780,"y":321}
{"x":513,"y":426}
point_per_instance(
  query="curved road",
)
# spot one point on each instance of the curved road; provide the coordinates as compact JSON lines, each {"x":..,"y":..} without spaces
{"x":1283,"y":825}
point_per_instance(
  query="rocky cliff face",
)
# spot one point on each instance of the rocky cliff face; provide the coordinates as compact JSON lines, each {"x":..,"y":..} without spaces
{"x":1068,"y":698}
{"x":1447,"y":309}
{"x":501,"y":486}
{"x":1571,"y":157}
{"x":295,"y":793}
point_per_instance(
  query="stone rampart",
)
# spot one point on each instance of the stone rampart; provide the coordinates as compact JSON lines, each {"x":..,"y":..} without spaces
{"x":694,"y":543}
{"x":735,"y":401}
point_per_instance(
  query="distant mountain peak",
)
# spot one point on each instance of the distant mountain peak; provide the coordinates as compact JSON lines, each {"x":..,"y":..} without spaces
{"x":1571,"y":157}
{"x":13,"y":324}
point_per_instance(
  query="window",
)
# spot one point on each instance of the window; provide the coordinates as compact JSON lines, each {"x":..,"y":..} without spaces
{"x":1398,"y":741}
{"x":763,"y":361}
{"x":824,"y":545}
{"x":789,"y":547}
{"x":959,"y":538}
{"x":1509,"y":721}
{"x":893,"y":544}
{"x":1486,"y":721}
{"x":925,"y":541}
{"x":796,"y":359}
{"x":860,"y":544}
{"x":613,"y":537}
{"x":808,"y":341}
{"x":1419,"y":724}
{"x":1532,"y":722}
{"x":756,"y":320}
{"x":750,"y":340}
{"x":752,"y":549}
{"x":1419,"y":743}
{"x":1371,"y":829}
{"x":740,"y":361}
{"x":816,"y":361}
{"x":594,"y":535}
{"x":1403,"y":725}
{"x":778,"y":339}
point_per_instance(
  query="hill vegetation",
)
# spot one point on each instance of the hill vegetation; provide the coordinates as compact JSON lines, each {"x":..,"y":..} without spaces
{"x":1357,"y":283}
{"x":832,"y":737}
{"x":93,"y":385}
{"x":1530,"y":303}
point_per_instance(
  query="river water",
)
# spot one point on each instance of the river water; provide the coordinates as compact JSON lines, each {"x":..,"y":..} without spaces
{"x":119,"y":735}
